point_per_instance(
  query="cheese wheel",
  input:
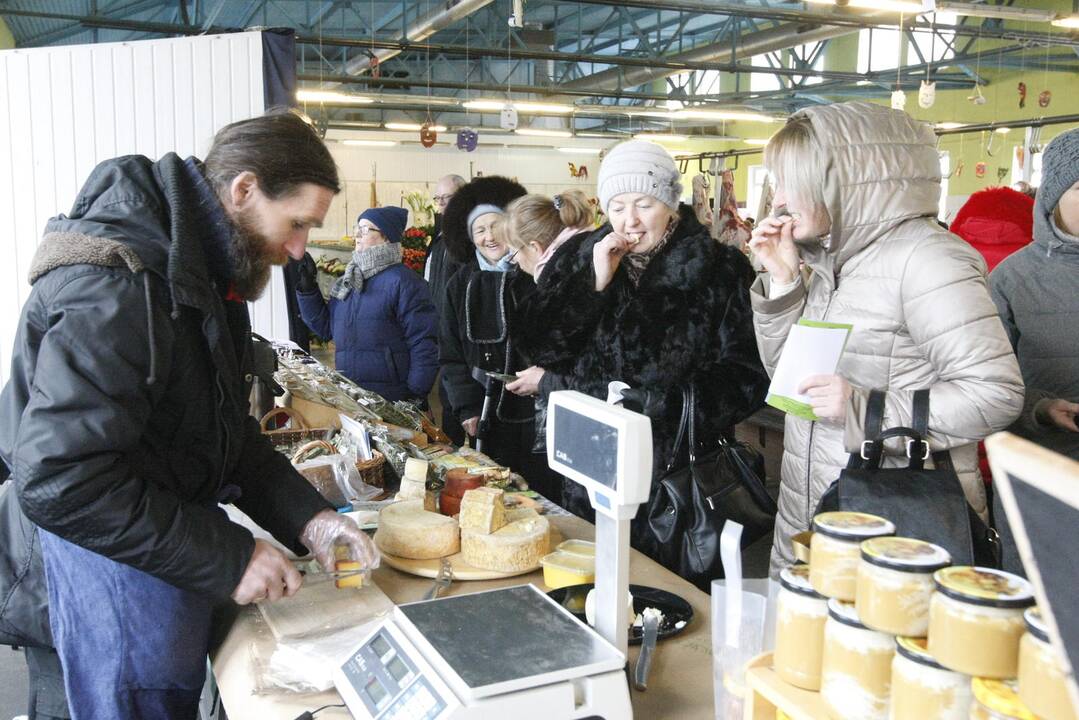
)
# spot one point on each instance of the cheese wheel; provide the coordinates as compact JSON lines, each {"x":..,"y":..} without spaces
{"x":515,"y":547}
{"x":406,"y":530}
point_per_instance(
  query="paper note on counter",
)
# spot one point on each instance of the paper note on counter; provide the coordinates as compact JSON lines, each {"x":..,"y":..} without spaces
{"x":812,"y":348}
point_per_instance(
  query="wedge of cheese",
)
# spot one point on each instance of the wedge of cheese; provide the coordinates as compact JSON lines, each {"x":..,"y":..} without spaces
{"x":406,"y":530}
{"x":483,"y":511}
{"x":514,"y":548}
{"x":412,"y":489}
{"x":416,"y":469}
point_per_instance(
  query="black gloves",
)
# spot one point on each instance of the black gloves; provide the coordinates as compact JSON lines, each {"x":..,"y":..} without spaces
{"x":307,"y":275}
{"x":644,"y":401}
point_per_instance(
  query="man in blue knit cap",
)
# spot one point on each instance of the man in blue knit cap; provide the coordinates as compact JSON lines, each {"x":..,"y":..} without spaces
{"x":1037,"y":293}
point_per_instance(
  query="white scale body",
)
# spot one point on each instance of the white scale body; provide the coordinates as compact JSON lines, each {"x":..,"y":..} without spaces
{"x":513,"y":652}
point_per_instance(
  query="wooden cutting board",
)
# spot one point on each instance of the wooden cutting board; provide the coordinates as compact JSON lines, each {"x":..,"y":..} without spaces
{"x":461,"y":569}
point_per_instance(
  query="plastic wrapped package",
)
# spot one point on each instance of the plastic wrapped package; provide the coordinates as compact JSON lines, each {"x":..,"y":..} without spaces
{"x":336,"y":479}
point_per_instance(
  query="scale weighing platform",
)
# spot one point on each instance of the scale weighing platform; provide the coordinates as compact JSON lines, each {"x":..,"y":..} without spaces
{"x":485,"y":655}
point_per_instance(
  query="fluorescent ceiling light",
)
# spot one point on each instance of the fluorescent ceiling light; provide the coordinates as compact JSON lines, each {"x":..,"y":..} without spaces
{"x":863,"y":83}
{"x":760,"y":142}
{"x":495,"y":105}
{"x":1068,"y":21}
{"x":580,"y":151}
{"x":702,"y":114}
{"x":413,"y":126}
{"x":949,"y":125}
{"x":325,"y":96}
{"x":539,"y":132}
{"x":371,"y":143}
{"x":1003,"y":130}
{"x":535,"y":107}
{"x":897,"y":6}
{"x":659,"y":136}
{"x":996,"y":11}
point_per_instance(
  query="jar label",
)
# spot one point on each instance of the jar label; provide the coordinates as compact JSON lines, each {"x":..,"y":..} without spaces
{"x":984,"y":584}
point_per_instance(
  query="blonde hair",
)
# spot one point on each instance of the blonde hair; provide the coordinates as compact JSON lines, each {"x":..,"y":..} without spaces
{"x":539,"y":219}
{"x":793,"y":155}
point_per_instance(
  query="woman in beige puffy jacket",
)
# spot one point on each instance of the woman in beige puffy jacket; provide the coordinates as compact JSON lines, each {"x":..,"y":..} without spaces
{"x":861,"y":183}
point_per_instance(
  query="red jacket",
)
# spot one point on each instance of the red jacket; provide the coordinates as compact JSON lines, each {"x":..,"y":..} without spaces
{"x":996,"y":222}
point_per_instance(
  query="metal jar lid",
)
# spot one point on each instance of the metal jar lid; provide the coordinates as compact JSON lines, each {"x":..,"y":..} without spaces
{"x":905,"y":554}
{"x":856,"y":526}
{"x":984,"y":586}
{"x":796,"y":579}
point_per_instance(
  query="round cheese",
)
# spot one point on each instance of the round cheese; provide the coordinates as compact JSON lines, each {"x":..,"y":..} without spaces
{"x":406,"y":530}
{"x":515,"y":547}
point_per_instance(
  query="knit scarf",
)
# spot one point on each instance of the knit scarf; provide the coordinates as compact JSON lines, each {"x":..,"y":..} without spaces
{"x":364,"y":265}
{"x":559,"y":241}
{"x":503,"y":265}
{"x":637,"y":263}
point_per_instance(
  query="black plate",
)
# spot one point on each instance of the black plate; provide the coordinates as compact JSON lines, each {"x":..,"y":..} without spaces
{"x":674,"y":608}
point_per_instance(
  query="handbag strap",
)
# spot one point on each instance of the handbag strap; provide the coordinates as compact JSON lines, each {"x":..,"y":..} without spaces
{"x":873,"y":448}
{"x":692,"y":424}
{"x":682,"y":427}
{"x":942,"y":459}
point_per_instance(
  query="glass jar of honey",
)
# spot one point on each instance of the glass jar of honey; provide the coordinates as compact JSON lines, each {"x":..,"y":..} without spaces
{"x":856,"y":669}
{"x":976,"y":620}
{"x":997,"y":700}
{"x":1042,"y":682}
{"x":835,"y":550}
{"x":800,"y":617}
{"x":895,"y":582}
{"x":922,"y":689}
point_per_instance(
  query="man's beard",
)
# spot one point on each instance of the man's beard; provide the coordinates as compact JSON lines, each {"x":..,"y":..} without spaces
{"x":251,"y":258}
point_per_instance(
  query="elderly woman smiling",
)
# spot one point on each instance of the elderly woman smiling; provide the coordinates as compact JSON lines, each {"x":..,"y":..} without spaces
{"x":651,"y":300}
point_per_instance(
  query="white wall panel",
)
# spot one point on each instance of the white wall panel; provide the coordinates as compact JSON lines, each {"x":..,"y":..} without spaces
{"x":65,"y":109}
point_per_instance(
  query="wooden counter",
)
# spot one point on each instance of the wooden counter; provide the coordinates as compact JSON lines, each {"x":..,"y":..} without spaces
{"x":680,"y":683}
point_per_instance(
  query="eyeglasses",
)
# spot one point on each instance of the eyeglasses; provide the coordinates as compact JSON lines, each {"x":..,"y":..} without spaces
{"x":367,"y":230}
{"x":442,"y":199}
{"x":511,"y":256}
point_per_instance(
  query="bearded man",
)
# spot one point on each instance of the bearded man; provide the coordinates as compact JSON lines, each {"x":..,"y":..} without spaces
{"x":125,"y":424}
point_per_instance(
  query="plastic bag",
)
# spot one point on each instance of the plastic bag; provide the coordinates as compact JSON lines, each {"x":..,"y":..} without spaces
{"x":336,"y":479}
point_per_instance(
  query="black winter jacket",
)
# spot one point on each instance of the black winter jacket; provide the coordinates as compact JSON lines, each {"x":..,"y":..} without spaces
{"x":689,"y":319}
{"x":475,"y":332}
{"x":125,"y":419}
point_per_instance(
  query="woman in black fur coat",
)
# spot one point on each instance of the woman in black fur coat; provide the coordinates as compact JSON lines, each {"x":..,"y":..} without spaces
{"x":474,"y":337}
{"x":651,"y":300}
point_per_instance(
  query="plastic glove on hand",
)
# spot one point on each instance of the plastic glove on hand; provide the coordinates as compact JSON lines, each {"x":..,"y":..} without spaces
{"x":307,"y":275}
{"x":327,"y":530}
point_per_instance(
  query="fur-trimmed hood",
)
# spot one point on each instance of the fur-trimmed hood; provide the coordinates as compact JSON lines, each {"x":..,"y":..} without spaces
{"x":493,"y":190}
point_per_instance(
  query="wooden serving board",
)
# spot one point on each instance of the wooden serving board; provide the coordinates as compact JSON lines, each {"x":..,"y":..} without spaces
{"x":461,"y":569}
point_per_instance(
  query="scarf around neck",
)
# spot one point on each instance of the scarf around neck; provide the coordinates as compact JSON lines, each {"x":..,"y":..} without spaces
{"x":637,"y":263}
{"x":364,"y":265}
{"x":503,"y":265}
{"x":559,"y":241}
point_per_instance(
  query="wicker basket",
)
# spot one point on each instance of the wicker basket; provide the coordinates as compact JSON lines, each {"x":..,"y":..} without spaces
{"x":370,"y":470}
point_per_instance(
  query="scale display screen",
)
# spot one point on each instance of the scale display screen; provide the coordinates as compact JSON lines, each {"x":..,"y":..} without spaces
{"x":389,"y":684}
{"x":587,"y":445}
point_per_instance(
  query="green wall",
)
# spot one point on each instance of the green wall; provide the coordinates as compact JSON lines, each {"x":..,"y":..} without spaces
{"x":7,"y":40}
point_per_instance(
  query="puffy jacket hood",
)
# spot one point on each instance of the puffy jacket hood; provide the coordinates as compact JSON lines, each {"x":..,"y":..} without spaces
{"x":881,"y":168}
{"x":996,"y":222}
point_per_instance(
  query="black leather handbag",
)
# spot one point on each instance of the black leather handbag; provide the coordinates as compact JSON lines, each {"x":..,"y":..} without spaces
{"x":927,"y":504}
{"x":692,"y":504}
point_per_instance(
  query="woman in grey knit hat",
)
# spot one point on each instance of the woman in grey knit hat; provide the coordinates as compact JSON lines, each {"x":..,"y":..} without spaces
{"x":652,"y":300}
{"x":1036,"y":291}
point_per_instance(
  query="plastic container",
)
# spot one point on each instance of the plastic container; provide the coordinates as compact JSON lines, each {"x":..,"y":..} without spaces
{"x":856,"y":671}
{"x":976,"y":620}
{"x":1042,"y":682}
{"x":997,"y":700}
{"x":800,"y":620}
{"x":836,"y":549}
{"x":895,"y":583}
{"x":578,"y":547}
{"x":922,"y":689}
{"x":562,"y":569}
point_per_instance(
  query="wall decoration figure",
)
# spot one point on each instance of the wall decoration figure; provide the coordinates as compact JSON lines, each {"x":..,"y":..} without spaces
{"x":578,"y":172}
{"x":428,"y":137}
{"x":1044,"y":98}
{"x":1022,"y":95}
{"x":927,"y":94}
{"x":899,"y":100}
{"x":979,"y":169}
{"x":467,"y":139}
{"x":508,"y":119}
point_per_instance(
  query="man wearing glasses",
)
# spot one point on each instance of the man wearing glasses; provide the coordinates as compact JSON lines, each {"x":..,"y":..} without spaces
{"x":439,"y":269}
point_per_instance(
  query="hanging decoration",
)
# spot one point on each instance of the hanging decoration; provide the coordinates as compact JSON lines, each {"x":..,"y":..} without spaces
{"x":508,"y":119}
{"x":428,"y":137}
{"x":959,"y":168}
{"x":977,"y":98}
{"x":979,"y":169}
{"x":899,"y":100}
{"x":467,"y":139}
{"x":1001,"y":172}
{"x":376,"y":69}
{"x":1022,"y":95}
{"x":373,"y":202}
{"x":1044,"y":98}
{"x":578,"y":172}
{"x":927,"y":94}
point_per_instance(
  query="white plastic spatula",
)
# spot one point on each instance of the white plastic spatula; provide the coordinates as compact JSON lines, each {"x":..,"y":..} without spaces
{"x":730,"y":551}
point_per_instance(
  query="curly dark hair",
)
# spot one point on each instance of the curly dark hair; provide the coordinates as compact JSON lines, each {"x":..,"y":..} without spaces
{"x":493,"y":190}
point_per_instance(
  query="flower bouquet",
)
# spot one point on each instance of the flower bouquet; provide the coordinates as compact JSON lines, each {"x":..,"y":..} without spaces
{"x":414,"y":247}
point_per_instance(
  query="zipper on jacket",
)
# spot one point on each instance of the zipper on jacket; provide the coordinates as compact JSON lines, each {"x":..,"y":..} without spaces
{"x":813,"y":424}
{"x":224,"y":428}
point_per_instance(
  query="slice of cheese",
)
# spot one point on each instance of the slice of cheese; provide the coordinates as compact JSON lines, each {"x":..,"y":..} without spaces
{"x":514,"y":548}
{"x":406,"y":530}
{"x":416,"y":469}
{"x":482,"y":510}
{"x":412,"y":489}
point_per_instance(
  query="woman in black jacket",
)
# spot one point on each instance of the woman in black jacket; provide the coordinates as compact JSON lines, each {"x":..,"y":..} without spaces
{"x":653,"y":301}
{"x":474,"y":338}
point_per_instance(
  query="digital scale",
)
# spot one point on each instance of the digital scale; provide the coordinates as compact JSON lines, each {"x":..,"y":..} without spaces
{"x":514,"y":652}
